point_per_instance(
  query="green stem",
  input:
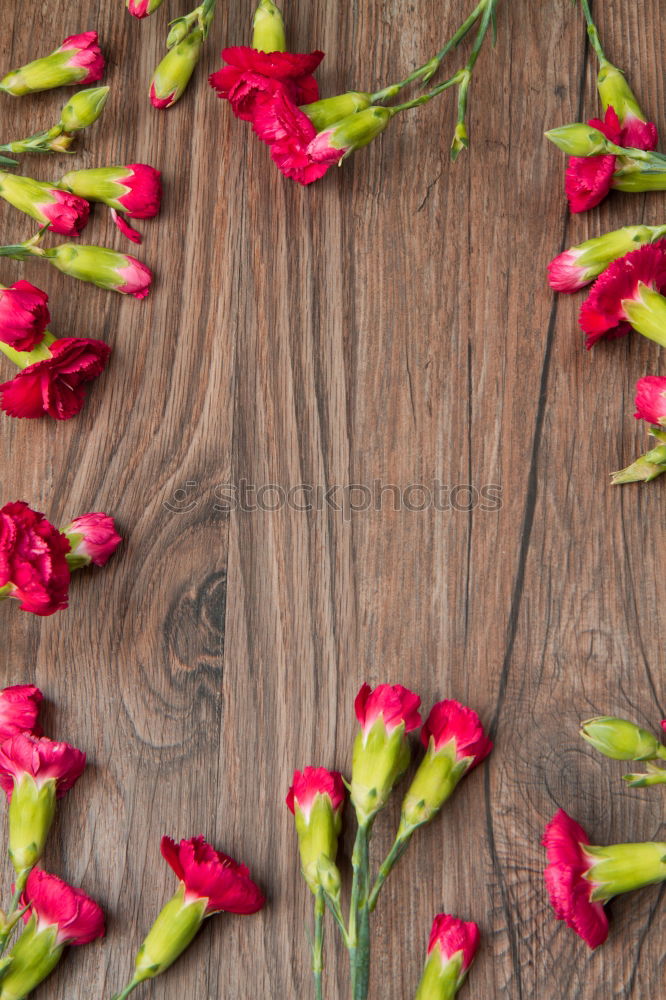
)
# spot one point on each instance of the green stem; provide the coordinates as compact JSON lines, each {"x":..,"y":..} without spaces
{"x":15,"y":910}
{"x":399,"y":847}
{"x":334,"y":907}
{"x":359,"y":941}
{"x":318,"y":944}
{"x":592,"y":32}
{"x":128,"y":989}
{"x":428,"y":69}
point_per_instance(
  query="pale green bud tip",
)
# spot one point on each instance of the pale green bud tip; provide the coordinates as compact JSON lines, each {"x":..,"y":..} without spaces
{"x":580,"y":140}
{"x":84,"y":108}
{"x":620,"y":739}
{"x":174,"y":72}
{"x":172,"y":932}
{"x":460,"y":140}
{"x":268,"y":33}
{"x":642,"y":470}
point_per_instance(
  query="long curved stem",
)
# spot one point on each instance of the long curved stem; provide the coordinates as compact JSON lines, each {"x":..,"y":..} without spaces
{"x":592,"y":32}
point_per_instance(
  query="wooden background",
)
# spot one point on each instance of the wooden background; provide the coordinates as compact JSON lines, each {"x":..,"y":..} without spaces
{"x":391,"y":323}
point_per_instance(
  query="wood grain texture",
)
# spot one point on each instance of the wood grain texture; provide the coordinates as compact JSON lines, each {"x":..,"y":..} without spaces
{"x":391,"y":324}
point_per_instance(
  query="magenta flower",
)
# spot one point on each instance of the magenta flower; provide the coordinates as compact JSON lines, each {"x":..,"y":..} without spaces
{"x":24,"y":315}
{"x":41,"y":759}
{"x":209,"y":875}
{"x":55,"y":385}
{"x":395,"y":704}
{"x":76,"y":918}
{"x":451,"y":722}
{"x":93,"y":538}
{"x":651,"y":400}
{"x":570,"y":891}
{"x":19,"y":710}
{"x":312,"y":782}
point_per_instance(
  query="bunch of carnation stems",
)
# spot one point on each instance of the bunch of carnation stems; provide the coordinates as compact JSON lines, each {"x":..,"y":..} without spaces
{"x":455,"y":743}
{"x":580,"y":877}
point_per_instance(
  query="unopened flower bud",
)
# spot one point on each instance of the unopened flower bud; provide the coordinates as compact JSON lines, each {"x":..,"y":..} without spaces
{"x":620,"y":739}
{"x":84,"y":108}
{"x":93,"y":539}
{"x":78,"y":60}
{"x":31,"y":813}
{"x":579,"y":265}
{"x":173,"y":74}
{"x":381,"y":750}
{"x":460,"y":140}
{"x":581,"y":140}
{"x":268,"y":34}
{"x":173,"y":931}
{"x":330,"y":110}
{"x":615,"y":92}
{"x":353,"y":132}
{"x":316,"y":798}
{"x":61,"y":211}
{"x":142,"y":8}
{"x":103,"y":267}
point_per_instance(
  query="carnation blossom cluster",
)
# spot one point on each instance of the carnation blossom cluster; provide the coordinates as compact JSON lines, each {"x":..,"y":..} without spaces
{"x":46,"y":914}
{"x":455,"y":742}
{"x":580,"y":877}
{"x":54,"y":372}
{"x":276,"y":92}
{"x":626,"y":268}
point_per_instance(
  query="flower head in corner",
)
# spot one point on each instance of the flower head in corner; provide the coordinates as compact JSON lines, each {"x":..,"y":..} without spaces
{"x":33,"y":563}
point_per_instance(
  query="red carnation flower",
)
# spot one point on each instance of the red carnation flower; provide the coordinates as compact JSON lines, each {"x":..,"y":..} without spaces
{"x":93,"y":537}
{"x":395,"y":704}
{"x":53,"y":903}
{"x":590,"y":178}
{"x":289,"y":133}
{"x":570,"y":892}
{"x":209,"y":874}
{"x":449,"y":721}
{"x":67,"y":214}
{"x":602,"y":315}
{"x":19,"y":709}
{"x":451,"y":937}
{"x":55,"y":386}
{"x":41,"y":759}
{"x":86,"y":54}
{"x":311,"y":782}
{"x":252,"y":78}
{"x":651,"y":399}
{"x":33,"y":564}
{"x":24,"y":315}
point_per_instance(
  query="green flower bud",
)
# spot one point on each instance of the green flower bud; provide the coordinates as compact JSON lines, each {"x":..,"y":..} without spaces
{"x":330,"y":110}
{"x":174,"y":72}
{"x":103,"y":184}
{"x":318,"y":834}
{"x":31,"y":812}
{"x":620,"y":739}
{"x":268,"y":34}
{"x":460,"y":140}
{"x":173,"y":931}
{"x":615,"y":92}
{"x":84,"y":108}
{"x":581,"y":140}
{"x":623,"y":867}
{"x":434,"y":782}
{"x":33,"y":957}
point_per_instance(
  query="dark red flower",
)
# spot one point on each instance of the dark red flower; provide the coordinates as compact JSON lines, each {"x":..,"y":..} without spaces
{"x":55,"y":386}
{"x":570,"y":892}
{"x":42,"y":759}
{"x":24,"y":315}
{"x":54,"y":903}
{"x":209,"y":874}
{"x":252,"y":78}
{"x":33,"y":564}
{"x":602,"y":314}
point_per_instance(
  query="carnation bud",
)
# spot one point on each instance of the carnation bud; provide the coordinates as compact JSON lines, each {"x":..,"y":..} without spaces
{"x":623,"y":868}
{"x":615,"y":92}
{"x":84,"y":108}
{"x":172,"y":932}
{"x":142,"y":8}
{"x":173,"y":74}
{"x":581,"y":140}
{"x":620,"y":739}
{"x":78,"y":60}
{"x":103,"y":267}
{"x":329,"y":110}
{"x":268,"y":34}
{"x":460,"y":140}
{"x":451,"y":950}
{"x":316,"y":798}
{"x":31,"y":812}
{"x":350,"y":133}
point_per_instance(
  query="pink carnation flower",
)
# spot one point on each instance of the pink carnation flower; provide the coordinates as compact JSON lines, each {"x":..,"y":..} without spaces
{"x":651,"y":399}
{"x":41,"y":759}
{"x":19,"y":710}
{"x":311,"y":782}
{"x":76,"y":918}
{"x":570,"y":892}
{"x":208,"y":874}
{"x":33,"y":564}
{"x":393,"y":703}
{"x":97,"y":538}
{"x":451,"y":936}
{"x":449,"y":721}
{"x":86,"y":54}
{"x":55,"y":386}
{"x":252,"y":78}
